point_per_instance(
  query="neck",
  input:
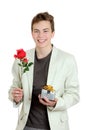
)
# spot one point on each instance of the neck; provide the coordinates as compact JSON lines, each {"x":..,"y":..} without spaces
{"x":43,"y":52}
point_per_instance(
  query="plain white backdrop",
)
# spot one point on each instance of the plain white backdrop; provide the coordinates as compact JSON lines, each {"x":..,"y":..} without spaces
{"x":15,"y":33}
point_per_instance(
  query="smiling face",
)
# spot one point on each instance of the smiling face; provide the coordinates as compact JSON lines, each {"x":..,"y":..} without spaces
{"x":42,"y":34}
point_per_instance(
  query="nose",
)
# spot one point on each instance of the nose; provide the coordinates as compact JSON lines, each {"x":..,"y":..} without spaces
{"x":40,"y":34}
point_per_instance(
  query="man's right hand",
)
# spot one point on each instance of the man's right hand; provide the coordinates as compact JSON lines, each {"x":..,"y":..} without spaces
{"x":17,"y":94}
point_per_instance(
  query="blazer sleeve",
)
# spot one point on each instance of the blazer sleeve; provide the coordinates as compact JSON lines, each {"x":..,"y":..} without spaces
{"x":16,"y":71}
{"x":71,"y":88}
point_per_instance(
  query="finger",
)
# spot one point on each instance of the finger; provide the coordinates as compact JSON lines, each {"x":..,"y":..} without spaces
{"x":17,"y":99}
{"x":47,"y":102}
{"x":17,"y":91}
{"x":43,"y":102}
{"x":17,"y":95}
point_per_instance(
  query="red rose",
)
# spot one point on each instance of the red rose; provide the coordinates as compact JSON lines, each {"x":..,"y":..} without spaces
{"x":25,"y":60}
{"x":20,"y":54}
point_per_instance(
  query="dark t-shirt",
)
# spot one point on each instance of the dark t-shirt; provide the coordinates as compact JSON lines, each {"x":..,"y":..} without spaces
{"x":38,"y":117}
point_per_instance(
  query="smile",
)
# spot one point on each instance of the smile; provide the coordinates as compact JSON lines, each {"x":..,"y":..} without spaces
{"x":41,"y":40}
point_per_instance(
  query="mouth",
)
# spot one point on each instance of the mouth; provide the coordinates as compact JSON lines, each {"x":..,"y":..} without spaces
{"x":41,"y":40}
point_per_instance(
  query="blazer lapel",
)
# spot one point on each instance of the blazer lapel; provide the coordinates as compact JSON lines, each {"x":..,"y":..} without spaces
{"x":52,"y":66}
{"x":29,"y":74}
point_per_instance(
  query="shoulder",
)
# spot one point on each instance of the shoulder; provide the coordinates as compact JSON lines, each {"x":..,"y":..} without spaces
{"x":64,"y":56}
{"x":30,"y":52}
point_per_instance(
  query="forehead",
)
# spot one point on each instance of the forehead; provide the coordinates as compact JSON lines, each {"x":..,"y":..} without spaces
{"x":42,"y":25}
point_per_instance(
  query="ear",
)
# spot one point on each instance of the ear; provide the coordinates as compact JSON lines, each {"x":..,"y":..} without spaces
{"x":53,"y":33}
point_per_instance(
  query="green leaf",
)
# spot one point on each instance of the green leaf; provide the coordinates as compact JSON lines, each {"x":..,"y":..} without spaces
{"x":19,"y":64}
{"x":30,"y":64}
{"x":26,"y":69}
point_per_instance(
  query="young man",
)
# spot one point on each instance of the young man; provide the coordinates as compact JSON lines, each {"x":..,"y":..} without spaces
{"x":51,"y":66}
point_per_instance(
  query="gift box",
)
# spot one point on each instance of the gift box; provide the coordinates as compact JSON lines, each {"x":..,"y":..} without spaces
{"x":48,"y":91}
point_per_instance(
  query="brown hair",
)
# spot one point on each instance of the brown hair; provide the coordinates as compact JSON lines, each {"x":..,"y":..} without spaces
{"x":43,"y":16}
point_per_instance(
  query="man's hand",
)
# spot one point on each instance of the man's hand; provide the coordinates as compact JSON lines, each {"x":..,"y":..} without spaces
{"x":45,"y":101}
{"x":17,"y":94}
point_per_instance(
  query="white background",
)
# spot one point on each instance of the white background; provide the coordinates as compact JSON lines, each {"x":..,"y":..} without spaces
{"x":15,"y":33}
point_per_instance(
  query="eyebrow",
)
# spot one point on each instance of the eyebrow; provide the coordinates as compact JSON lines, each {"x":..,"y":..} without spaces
{"x":46,"y":29}
{"x":43,"y":29}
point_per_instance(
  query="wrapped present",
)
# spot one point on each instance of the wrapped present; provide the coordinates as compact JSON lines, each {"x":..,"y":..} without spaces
{"x":48,"y":91}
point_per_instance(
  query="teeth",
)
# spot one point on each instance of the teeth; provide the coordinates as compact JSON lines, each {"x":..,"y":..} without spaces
{"x":41,"y":40}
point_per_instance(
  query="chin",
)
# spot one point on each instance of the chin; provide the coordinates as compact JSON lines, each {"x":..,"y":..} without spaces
{"x":41,"y":45}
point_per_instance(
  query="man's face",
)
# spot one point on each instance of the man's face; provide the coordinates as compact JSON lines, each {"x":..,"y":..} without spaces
{"x":42,"y":33}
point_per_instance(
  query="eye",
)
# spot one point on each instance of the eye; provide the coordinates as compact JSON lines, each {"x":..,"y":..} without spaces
{"x":45,"y":31}
{"x":36,"y":31}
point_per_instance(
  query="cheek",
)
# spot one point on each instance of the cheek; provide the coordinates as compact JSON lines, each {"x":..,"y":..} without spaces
{"x":34,"y":36}
{"x":49,"y":37}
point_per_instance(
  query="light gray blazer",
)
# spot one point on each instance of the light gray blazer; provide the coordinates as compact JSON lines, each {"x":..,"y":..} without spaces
{"x":62,"y":75}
